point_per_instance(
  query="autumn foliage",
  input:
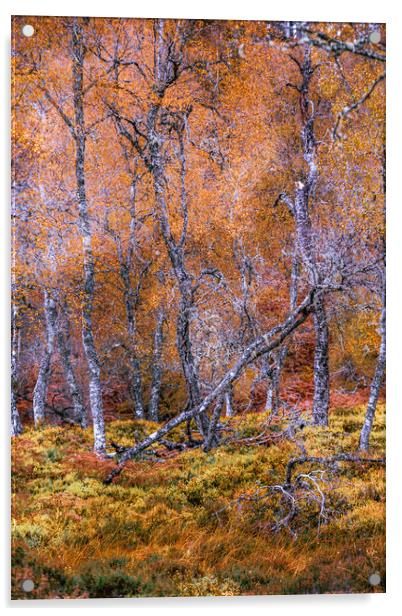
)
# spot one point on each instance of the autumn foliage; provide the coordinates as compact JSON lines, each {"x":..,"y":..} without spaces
{"x":184,"y":195}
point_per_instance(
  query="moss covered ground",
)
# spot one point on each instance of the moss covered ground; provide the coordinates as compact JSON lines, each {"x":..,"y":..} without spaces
{"x":187,"y":523}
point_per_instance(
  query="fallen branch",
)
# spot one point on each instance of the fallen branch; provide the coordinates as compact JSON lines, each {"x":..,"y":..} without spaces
{"x":329,"y":461}
{"x":261,"y":346}
{"x":306,"y":488}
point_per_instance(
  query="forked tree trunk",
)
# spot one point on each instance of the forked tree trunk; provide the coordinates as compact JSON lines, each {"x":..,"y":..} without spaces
{"x":156,"y":368}
{"x":375,"y":388}
{"x":176,"y":254}
{"x":164,"y":74}
{"x":41,"y":386}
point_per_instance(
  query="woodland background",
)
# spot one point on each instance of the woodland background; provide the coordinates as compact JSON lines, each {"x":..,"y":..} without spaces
{"x":198,"y":244}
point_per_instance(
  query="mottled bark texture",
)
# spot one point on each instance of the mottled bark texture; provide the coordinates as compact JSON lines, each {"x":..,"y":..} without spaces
{"x":321,"y":367}
{"x":305,"y":189}
{"x":159,"y":135}
{"x":156,"y":381}
{"x":41,"y":386}
{"x":381,"y":361}
{"x":212,"y":438}
{"x":16,"y":425}
{"x":131,"y":300}
{"x":229,"y":410}
{"x":79,"y":133}
{"x":375,"y":387}
{"x":63,"y":343}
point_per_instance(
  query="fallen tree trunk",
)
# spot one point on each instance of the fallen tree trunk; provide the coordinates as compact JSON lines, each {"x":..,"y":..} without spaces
{"x":262,"y":345}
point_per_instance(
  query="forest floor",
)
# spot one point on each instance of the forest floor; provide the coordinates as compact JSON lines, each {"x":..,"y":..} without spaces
{"x":193,"y":523}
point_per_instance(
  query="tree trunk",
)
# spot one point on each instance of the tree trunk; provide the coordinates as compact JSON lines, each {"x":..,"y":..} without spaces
{"x":136,"y":384}
{"x":229,"y":412}
{"x":131,"y":298}
{"x":381,"y":361}
{"x":165,"y":73}
{"x":269,"y":398}
{"x":176,"y":255}
{"x":156,"y":368}
{"x":63,"y":335}
{"x":41,"y":386}
{"x":305,"y":243}
{"x":375,"y":388}
{"x":321,"y":370}
{"x":95,"y":392}
{"x":213,"y":437}
{"x":272,"y":401}
{"x":16,"y":425}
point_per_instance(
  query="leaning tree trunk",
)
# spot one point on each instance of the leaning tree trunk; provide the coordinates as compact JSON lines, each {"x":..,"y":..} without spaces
{"x":63,"y":336}
{"x":156,"y":368}
{"x":16,"y":425}
{"x":41,"y":386}
{"x":264,"y":345}
{"x":95,"y":390}
{"x":375,"y":388}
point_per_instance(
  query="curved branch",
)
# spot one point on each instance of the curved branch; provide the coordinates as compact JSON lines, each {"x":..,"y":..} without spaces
{"x":346,"y":110}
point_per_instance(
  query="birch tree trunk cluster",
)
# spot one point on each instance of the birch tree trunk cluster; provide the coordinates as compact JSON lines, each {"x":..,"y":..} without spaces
{"x":168,"y":286}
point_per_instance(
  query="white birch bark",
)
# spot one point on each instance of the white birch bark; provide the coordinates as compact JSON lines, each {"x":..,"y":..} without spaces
{"x":95,"y":390}
{"x":41,"y":386}
{"x":375,"y":388}
{"x":153,"y":412}
{"x":304,"y":192}
{"x":229,"y":411}
{"x":16,"y":425}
